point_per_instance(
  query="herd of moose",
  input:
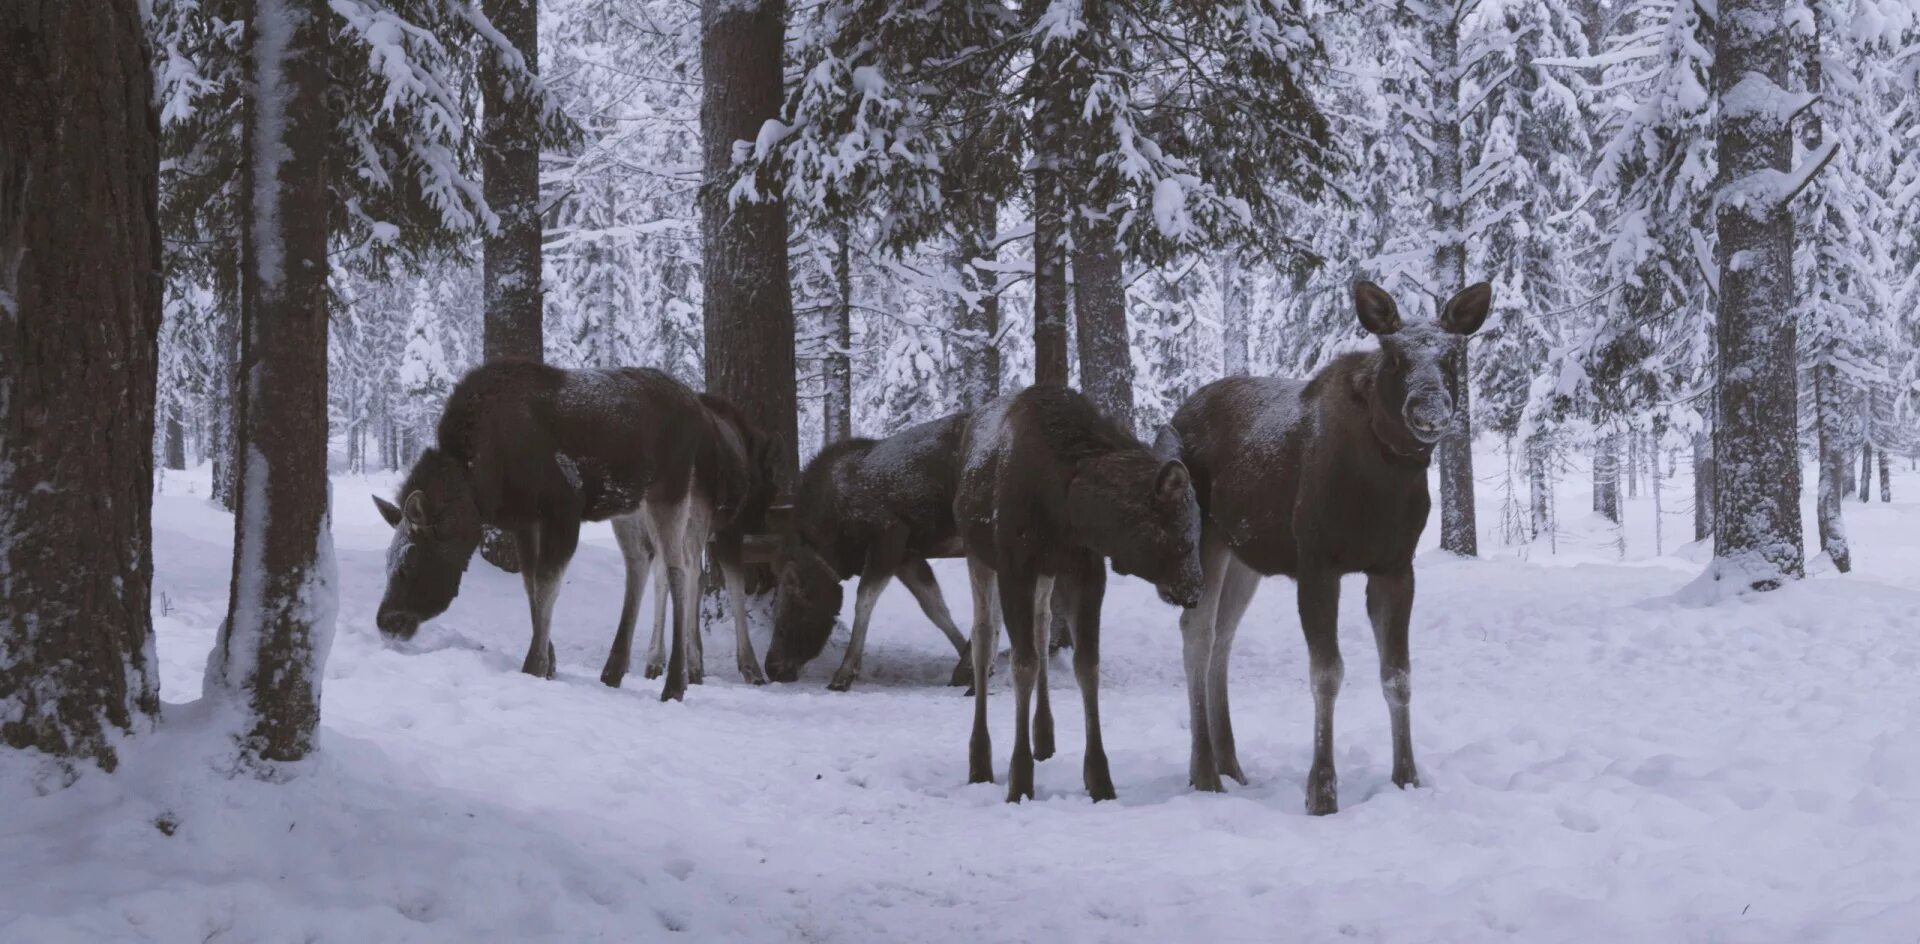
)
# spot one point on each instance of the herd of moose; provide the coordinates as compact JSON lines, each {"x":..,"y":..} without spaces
{"x":1038,"y":490}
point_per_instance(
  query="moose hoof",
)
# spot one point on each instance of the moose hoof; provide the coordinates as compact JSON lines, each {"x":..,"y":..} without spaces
{"x":1405,"y":777}
{"x":612,"y":679}
{"x":673,"y":693}
{"x":1043,"y":741}
{"x":1099,"y":781}
{"x":842,"y":680}
{"x":1020,"y":781}
{"x":538,"y":665}
{"x":655,"y":670}
{"x":963,"y":674}
{"x":751,"y":674}
{"x":980,"y":760}
{"x":1205,"y":781}
{"x":1323,"y":795}
{"x":1230,"y":767}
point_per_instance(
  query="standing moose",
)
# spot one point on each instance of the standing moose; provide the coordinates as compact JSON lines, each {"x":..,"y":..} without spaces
{"x":1315,"y":480}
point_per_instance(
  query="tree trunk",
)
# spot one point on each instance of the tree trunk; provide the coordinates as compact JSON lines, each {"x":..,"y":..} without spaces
{"x":978,"y":317}
{"x":1100,"y":319}
{"x":1633,"y":464}
{"x":1540,"y":500}
{"x":80,"y":302}
{"x":837,"y":423}
{"x":1458,"y":532}
{"x":1704,"y":478}
{"x":1652,"y":454}
{"x":225,"y":409}
{"x":1606,"y":477}
{"x":1049,"y":221}
{"x":1828,"y":422}
{"x":1886,"y":478}
{"x":274,"y":643}
{"x":1757,"y":397}
{"x":748,"y":299}
{"x":176,"y":439}
{"x":510,"y":165}
{"x":1866,"y":472}
{"x":1234,"y":317}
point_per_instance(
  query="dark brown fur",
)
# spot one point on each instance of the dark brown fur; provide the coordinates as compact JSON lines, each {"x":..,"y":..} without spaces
{"x":1315,"y":480}
{"x":875,"y":509}
{"x":1049,"y":490}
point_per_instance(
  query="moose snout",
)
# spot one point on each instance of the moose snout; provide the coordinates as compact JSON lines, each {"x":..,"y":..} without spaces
{"x":1428,"y":414}
{"x":397,"y":624}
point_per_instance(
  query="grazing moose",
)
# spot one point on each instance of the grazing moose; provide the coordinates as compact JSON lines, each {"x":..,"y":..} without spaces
{"x":1315,"y":480}
{"x":876,"y":509}
{"x":1049,"y":489}
{"x":535,"y":450}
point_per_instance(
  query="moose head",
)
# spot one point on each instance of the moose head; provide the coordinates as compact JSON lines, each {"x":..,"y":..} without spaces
{"x":436,"y":528}
{"x":1137,"y":507}
{"x":1407,"y":389}
{"x":805,"y":604}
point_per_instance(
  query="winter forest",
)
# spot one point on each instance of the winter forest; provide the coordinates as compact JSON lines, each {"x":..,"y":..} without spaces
{"x":1668,"y":581}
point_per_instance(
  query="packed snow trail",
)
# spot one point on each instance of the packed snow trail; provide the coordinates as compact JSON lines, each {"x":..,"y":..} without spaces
{"x":1601,"y":763}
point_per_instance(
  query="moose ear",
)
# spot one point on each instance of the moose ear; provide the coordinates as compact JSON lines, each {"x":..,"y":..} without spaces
{"x":1173,"y":480}
{"x":1467,"y":310}
{"x":387,"y":510}
{"x":1375,"y":308}
{"x":416,"y":509}
{"x":1167,"y":444}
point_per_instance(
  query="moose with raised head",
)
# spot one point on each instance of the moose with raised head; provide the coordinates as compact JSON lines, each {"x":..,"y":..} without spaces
{"x":1050,"y":490}
{"x":534,"y":451}
{"x":876,"y":509}
{"x":1317,"y":479}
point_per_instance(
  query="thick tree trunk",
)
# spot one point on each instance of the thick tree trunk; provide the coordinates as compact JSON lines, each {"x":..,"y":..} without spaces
{"x":1704,"y":478}
{"x":79,"y":337}
{"x":1828,"y":423}
{"x":749,"y":301}
{"x":837,"y":423}
{"x":1049,"y":221}
{"x":1235,"y":320}
{"x":1100,"y":320}
{"x":1757,"y":397}
{"x":1458,"y":531}
{"x":274,"y":643}
{"x":510,"y":163}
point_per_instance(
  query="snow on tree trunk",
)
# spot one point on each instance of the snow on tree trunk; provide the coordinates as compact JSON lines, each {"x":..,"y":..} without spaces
{"x":80,"y":311}
{"x":748,"y":297}
{"x":1704,"y":477}
{"x":1830,"y":443}
{"x":1234,"y":316}
{"x":272,"y":649}
{"x":1100,"y":321}
{"x":1757,"y":532}
{"x":225,"y":406}
{"x":1606,"y":477}
{"x":1540,"y":500}
{"x":1458,"y":532}
{"x":837,"y":423}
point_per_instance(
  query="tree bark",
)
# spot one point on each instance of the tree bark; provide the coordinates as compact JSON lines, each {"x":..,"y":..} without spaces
{"x":837,"y":423}
{"x":1050,"y":364}
{"x":1458,"y":530}
{"x":1606,"y":477}
{"x":1704,"y":478}
{"x":748,"y":299}
{"x":225,"y":408}
{"x":80,"y":302}
{"x":1866,"y":472}
{"x":1633,"y":464}
{"x":1235,"y":320}
{"x":1100,"y":319}
{"x":176,"y":439}
{"x":979,"y":317}
{"x":1757,"y":409}
{"x":279,"y":627}
{"x":1828,"y":423}
{"x":1886,"y":478}
{"x":1540,"y":499}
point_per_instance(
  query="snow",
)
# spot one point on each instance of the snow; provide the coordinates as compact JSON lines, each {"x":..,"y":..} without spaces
{"x":273,"y":25}
{"x":1603,"y":762}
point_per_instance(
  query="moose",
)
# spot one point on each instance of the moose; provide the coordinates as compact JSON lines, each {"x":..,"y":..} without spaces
{"x":1316,"y":480}
{"x":877,"y":509}
{"x":1049,"y":490}
{"x":534,"y":451}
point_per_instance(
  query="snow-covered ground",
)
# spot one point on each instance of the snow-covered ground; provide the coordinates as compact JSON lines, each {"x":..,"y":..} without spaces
{"x":1602,"y":763}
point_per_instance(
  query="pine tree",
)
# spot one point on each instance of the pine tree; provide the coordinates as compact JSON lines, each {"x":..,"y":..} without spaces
{"x":79,"y":324}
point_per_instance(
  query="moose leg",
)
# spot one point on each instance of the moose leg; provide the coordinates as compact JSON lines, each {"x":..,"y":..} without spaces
{"x":883,"y":556}
{"x":918,"y":578}
{"x":630,"y":532}
{"x":1043,"y":613}
{"x":1390,"y":604}
{"x":553,"y":544}
{"x":744,"y":658}
{"x":1085,"y":592}
{"x":667,"y":522}
{"x":1020,"y":599}
{"x":657,"y":647}
{"x":1236,"y":592}
{"x":986,"y":642}
{"x":1319,"y":617}
{"x":1196,"y":637}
